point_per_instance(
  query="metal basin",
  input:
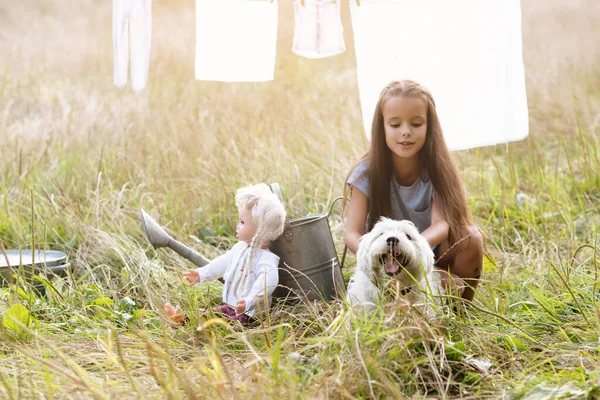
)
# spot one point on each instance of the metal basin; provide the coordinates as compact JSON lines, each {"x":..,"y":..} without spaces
{"x":28,"y":263}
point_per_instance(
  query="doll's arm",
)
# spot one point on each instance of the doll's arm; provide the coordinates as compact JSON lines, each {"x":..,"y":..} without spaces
{"x":269,"y":277}
{"x":214,"y":269}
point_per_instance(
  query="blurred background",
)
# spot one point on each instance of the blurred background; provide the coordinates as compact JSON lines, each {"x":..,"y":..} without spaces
{"x":89,"y":155}
{"x":78,"y":158}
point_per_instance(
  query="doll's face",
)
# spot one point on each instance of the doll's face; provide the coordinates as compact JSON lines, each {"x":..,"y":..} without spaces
{"x":246,"y":228}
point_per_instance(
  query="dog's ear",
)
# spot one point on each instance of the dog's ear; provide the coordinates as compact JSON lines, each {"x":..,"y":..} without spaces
{"x":383,"y":219}
{"x":364,"y":261}
{"x":427,"y":257}
{"x":408,"y":222}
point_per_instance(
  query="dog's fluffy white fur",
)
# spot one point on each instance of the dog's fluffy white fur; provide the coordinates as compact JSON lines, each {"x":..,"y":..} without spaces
{"x":394,"y":253}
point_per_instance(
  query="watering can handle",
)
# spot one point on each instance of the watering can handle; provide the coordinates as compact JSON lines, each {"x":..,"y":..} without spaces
{"x":287,"y":231}
{"x":328,"y":214}
{"x":333,"y":203}
{"x":275,"y":189}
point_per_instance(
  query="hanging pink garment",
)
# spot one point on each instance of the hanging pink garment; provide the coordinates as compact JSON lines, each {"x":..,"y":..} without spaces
{"x":132,"y":33}
{"x":468,"y":53}
{"x":236,"y":40}
{"x":318,"y":30}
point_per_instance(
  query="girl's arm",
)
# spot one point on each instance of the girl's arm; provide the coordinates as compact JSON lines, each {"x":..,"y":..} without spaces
{"x":438,"y":231}
{"x":357,"y":218}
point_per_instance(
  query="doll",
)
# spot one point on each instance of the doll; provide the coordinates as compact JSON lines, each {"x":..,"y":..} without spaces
{"x":249,"y":268}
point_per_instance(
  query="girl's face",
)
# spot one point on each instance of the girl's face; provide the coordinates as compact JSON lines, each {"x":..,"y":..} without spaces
{"x":246,"y":228}
{"x":405,"y":125}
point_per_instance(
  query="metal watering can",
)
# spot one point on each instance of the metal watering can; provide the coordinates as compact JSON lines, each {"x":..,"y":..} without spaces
{"x":308,"y":265}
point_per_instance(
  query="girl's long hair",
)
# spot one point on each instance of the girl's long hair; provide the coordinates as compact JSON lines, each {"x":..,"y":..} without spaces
{"x":435,"y":163}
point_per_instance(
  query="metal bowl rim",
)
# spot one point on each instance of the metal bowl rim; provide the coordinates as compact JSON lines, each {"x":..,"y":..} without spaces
{"x":61,"y":258}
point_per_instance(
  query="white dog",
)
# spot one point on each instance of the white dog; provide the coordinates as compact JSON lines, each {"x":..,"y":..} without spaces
{"x":394,"y":253}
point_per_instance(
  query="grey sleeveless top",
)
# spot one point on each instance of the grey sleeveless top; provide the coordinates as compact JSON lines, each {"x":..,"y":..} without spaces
{"x":417,"y":198}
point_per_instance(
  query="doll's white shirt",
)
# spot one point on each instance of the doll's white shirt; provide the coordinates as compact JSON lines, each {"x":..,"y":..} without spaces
{"x":468,"y":53}
{"x":264,"y":272}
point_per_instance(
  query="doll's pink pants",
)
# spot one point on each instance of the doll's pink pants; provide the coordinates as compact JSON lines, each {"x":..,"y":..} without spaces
{"x":228,"y":313}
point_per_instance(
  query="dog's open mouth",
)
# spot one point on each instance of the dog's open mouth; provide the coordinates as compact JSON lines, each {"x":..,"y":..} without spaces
{"x":394,"y":262}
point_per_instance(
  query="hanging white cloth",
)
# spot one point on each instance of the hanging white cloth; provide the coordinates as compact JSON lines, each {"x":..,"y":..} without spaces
{"x":318,"y":30}
{"x":468,"y":53}
{"x":132,"y":33}
{"x":236,"y":40}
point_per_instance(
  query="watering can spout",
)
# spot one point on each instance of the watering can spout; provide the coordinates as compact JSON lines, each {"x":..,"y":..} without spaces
{"x":159,"y":238}
{"x":155,"y":234}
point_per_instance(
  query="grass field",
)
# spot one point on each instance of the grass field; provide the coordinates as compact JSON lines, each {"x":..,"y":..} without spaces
{"x":79,"y":158}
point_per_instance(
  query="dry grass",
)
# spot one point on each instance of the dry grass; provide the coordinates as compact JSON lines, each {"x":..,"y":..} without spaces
{"x":89,"y":155}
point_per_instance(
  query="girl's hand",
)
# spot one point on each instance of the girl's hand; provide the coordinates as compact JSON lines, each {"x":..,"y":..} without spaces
{"x":192,"y":276}
{"x":240,"y":306}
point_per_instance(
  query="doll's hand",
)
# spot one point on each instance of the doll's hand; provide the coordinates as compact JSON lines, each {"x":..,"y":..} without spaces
{"x":240,"y":306}
{"x":192,"y":276}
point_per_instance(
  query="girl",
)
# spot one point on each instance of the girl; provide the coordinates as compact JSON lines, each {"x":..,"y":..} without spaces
{"x":408,"y":173}
{"x":249,"y":269}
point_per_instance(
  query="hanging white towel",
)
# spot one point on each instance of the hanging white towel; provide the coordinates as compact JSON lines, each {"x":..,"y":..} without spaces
{"x":236,"y":40}
{"x":132,"y":33}
{"x":318,"y":30}
{"x":468,"y":53}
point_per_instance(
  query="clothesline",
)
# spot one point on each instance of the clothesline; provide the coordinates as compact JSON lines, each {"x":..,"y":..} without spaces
{"x":467,"y":52}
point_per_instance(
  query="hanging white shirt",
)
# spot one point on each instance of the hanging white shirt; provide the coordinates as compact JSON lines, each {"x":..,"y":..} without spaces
{"x":132,"y":33}
{"x":318,"y":30}
{"x":265,"y":274}
{"x":236,"y":40}
{"x":468,"y":53}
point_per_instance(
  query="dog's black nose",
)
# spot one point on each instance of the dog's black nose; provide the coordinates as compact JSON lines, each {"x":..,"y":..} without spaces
{"x":392,"y":240}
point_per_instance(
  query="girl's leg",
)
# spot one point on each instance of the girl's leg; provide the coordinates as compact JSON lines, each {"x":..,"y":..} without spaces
{"x":464,"y":262}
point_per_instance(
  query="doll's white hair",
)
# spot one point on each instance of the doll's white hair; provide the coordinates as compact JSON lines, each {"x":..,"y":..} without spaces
{"x":269,"y":215}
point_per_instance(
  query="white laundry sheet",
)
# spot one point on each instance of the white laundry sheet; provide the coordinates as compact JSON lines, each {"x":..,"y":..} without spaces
{"x":318,"y":30}
{"x":132,"y":34}
{"x":236,"y":40}
{"x":468,"y":53}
